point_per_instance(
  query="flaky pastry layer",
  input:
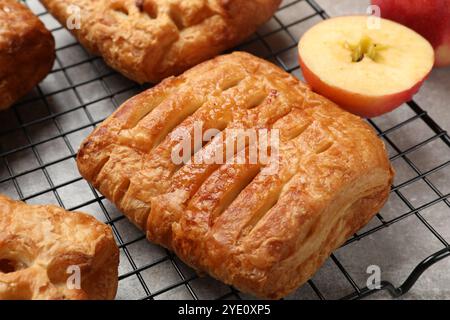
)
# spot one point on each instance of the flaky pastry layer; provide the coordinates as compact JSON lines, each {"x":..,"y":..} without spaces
{"x":265,"y":232}
{"x":148,"y":40}
{"x":47,"y":253}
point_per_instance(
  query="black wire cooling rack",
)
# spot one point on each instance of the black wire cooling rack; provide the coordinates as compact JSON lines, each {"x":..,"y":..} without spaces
{"x":40,"y":135}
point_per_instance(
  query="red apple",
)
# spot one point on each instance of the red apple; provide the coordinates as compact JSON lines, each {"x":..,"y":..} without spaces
{"x":430,"y":18}
{"x":367,"y":71}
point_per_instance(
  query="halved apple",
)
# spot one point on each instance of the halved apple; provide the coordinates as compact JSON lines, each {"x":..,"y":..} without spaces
{"x":367,"y":69}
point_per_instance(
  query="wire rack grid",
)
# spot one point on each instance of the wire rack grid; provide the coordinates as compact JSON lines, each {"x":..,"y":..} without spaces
{"x":40,"y":135}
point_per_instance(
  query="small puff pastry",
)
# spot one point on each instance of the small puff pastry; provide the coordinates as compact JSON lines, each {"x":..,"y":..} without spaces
{"x":42,"y":246}
{"x":148,"y":40}
{"x":27,"y":51}
{"x":264,"y":233}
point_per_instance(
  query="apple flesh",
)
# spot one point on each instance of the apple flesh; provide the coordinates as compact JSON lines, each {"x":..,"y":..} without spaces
{"x":367,"y":71}
{"x":430,"y":18}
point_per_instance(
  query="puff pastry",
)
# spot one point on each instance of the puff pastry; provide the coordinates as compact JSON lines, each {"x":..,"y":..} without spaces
{"x":266,"y":234}
{"x":27,"y":51}
{"x":41,"y":247}
{"x":148,"y":40}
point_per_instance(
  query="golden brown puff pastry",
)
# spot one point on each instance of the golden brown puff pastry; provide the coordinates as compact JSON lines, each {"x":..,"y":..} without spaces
{"x":44,"y":248}
{"x":265,"y":233}
{"x":148,"y":40}
{"x":27,"y":51}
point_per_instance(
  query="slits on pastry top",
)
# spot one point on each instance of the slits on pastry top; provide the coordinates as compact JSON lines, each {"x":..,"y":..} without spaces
{"x":218,"y":93}
{"x":128,"y":158}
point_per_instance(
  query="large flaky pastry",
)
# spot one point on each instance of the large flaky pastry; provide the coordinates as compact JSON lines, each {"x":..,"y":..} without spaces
{"x":264,"y":231}
{"x":27,"y":51}
{"x":49,"y":253}
{"x":148,"y":40}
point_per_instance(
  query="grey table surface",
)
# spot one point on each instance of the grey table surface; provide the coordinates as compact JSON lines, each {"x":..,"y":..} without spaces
{"x":396,"y":249}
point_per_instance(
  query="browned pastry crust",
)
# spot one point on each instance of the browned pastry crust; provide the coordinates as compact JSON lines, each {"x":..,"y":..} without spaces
{"x":27,"y":51}
{"x":148,"y":40}
{"x":266,"y":234}
{"x":39,"y":243}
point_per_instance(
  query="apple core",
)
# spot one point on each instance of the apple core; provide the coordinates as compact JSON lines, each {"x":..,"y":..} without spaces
{"x":366,"y":47}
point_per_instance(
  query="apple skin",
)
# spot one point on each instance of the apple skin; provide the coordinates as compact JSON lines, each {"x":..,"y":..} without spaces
{"x":430,"y":18}
{"x":353,"y":102}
